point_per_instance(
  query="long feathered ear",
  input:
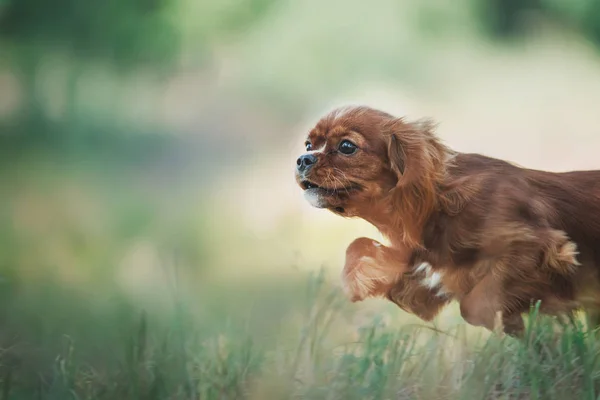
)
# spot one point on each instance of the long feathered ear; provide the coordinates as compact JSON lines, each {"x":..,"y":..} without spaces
{"x":418,"y":158}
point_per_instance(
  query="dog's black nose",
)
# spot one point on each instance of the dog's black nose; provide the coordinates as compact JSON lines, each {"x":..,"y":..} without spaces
{"x":305,"y":162}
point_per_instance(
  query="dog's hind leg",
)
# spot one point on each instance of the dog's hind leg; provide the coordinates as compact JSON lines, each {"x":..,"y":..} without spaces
{"x":485,"y":306}
{"x":509,"y":324}
{"x":480,"y":307}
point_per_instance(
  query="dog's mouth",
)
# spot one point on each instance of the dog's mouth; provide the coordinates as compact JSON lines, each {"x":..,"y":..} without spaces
{"x":328,"y":197}
{"x":308,"y":185}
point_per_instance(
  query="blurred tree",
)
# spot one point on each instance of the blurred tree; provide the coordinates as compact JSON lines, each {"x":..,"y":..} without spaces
{"x":583,"y":14}
{"x":504,"y":18}
{"x":128,"y":32}
{"x":125,"y":33}
{"x":507,"y":18}
{"x":122,"y":34}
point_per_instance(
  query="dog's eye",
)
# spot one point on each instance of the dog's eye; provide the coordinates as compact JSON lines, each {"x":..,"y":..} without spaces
{"x":308,"y":146}
{"x":347,"y":147}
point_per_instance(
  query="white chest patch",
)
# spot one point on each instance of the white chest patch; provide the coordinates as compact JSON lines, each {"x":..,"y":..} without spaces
{"x":432,"y":279}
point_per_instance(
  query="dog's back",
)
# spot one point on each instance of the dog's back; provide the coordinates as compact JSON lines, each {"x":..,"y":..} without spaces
{"x":573,"y":197}
{"x":568,"y":201}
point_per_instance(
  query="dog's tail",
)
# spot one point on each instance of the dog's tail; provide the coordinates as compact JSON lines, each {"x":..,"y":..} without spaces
{"x":560,"y":253}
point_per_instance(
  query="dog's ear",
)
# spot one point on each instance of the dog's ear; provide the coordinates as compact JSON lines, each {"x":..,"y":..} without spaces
{"x":396,"y":155}
{"x":417,"y":158}
{"x":414,"y":151}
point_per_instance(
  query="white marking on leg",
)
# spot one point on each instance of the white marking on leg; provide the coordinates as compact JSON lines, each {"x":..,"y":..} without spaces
{"x":432,"y":280}
{"x":424,"y":266}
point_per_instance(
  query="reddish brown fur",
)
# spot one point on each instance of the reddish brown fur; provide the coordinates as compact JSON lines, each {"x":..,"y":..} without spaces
{"x":374,"y":270}
{"x":371,"y":269}
{"x":497,"y":233}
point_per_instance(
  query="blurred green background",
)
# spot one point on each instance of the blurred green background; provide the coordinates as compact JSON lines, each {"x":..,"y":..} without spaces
{"x":153,"y":243}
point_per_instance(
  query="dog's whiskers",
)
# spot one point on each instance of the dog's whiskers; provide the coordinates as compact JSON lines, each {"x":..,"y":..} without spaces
{"x":344,"y":181}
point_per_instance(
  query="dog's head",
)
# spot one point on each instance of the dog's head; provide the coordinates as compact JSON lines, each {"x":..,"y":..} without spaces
{"x":366,"y":163}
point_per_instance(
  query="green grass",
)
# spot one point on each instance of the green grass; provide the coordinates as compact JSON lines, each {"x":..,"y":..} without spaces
{"x":71,"y":329}
{"x":59,"y":346}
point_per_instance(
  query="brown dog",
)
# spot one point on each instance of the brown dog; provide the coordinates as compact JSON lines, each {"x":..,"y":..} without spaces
{"x":491,"y":233}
